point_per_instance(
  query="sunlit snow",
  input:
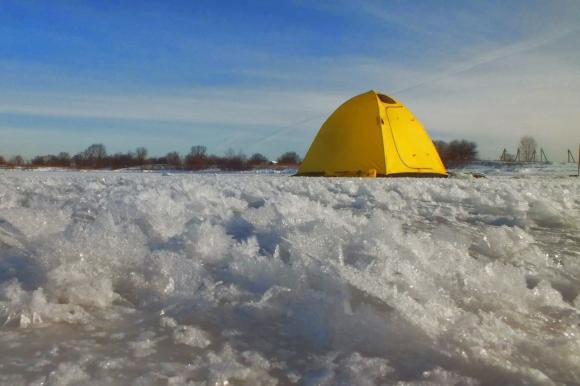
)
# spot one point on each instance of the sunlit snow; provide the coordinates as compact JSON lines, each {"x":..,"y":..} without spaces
{"x":209,"y":279}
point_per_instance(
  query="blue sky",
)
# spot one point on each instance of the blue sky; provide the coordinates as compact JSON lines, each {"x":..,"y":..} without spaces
{"x":262,"y":76}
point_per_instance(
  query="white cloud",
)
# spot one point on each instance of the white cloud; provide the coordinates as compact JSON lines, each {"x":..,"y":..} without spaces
{"x":224,"y":107}
{"x":529,"y":94}
{"x":490,"y":76}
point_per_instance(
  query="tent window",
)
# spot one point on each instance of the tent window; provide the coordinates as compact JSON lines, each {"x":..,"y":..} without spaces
{"x":386,"y":99}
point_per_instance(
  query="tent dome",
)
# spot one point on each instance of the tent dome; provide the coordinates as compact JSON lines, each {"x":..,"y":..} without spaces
{"x":372,"y":134}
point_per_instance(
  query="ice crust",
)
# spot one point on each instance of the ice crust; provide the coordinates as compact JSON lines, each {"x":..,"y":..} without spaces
{"x":150,"y":279}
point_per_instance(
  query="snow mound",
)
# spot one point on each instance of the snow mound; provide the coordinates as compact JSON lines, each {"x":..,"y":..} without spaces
{"x":146,"y":279}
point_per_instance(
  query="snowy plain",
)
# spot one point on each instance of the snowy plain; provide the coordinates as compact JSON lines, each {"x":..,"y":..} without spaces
{"x":263,"y":279}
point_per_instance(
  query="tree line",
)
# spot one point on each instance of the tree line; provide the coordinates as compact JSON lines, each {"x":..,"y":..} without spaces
{"x":456,"y":153}
{"x":96,"y":157}
{"x":453,"y":154}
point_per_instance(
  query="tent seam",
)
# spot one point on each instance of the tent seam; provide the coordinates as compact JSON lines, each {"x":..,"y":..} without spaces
{"x":381,"y":132}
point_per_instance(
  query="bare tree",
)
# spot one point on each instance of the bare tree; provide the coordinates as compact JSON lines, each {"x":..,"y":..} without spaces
{"x":96,"y":151}
{"x":17,"y":160}
{"x":93,"y":156}
{"x":233,"y":161}
{"x":289,"y":158}
{"x":197,"y":158}
{"x":527,"y":148}
{"x":63,"y":158}
{"x":198,"y":151}
{"x":141,"y":155}
{"x":174,"y":159}
{"x":457,"y":152}
{"x":257,"y":159}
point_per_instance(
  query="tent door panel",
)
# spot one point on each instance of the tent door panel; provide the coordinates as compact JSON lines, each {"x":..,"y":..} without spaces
{"x":412,"y":143}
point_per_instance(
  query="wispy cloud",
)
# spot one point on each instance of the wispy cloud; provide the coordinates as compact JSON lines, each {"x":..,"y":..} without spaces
{"x":480,"y":70}
{"x":215,"y":106}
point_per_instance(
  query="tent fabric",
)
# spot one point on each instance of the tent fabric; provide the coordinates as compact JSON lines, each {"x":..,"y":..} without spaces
{"x":372,"y":135}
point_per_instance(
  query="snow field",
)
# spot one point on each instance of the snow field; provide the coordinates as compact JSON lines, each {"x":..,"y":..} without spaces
{"x":268,"y":280}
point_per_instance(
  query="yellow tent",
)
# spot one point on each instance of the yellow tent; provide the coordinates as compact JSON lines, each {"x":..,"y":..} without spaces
{"x":372,"y":135}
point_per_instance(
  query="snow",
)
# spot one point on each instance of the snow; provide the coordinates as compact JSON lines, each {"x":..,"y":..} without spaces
{"x":263,"y":279}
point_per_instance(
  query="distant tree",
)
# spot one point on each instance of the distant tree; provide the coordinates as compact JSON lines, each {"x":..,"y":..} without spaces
{"x":197,"y":158}
{"x":37,"y":161}
{"x":17,"y":160}
{"x":94,"y":156}
{"x":141,"y":155}
{"x":463,"y":151}
{"x":232,"y":161}
{"x":257,"y":159}
{"x":96,"y":151}
{"x":63,"y":159}
{"x":527,"y":148}
{"x":43,"y":160}
{"x":457,"y":152}
{"x":155,"y":160}
{"x":289,"y":158}
{"x":198,"y":151}
{"x":60,"y":160}
{"x":174,"y":159}
{"x":122,"y":160}
{"x":77,"y":160}
{"x":2,"y":160}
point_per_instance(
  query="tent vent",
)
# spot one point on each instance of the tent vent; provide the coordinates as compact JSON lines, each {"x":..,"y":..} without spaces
{"x":386,"y":99}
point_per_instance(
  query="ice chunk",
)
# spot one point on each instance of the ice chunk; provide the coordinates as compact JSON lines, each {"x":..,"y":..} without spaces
{"x":66,"y":374}
{"x":207,"y":279}
{"x":191,"y":336}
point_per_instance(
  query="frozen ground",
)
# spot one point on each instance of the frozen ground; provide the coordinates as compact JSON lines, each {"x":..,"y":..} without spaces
{"x":152,"y":279}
